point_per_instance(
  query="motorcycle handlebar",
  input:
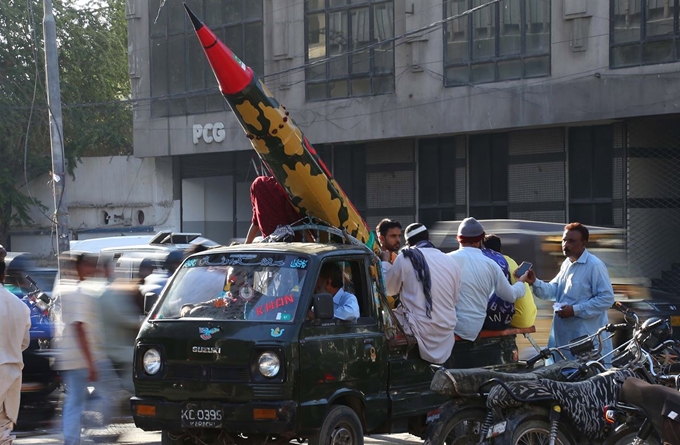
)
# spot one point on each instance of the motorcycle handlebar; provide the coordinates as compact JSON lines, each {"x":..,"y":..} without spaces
{"x":33,"y":283}
{"x":667,"y":344}
{"x":621,"y":307}
{"x":543,"y":354}
{"x":611,"y":327}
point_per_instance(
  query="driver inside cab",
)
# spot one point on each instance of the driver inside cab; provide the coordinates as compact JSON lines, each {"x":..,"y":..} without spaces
{"x":237,"y":298}
{"x":345,"y":304}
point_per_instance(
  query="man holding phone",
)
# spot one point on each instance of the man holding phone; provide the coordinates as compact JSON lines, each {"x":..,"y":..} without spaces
{"x":582,"y":291}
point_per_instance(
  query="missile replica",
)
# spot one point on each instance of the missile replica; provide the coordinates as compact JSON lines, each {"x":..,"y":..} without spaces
{"x":279,"y":142}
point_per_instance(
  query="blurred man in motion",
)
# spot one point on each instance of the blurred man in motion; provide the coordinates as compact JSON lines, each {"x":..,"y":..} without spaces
{"x":120,"y":321}
{"x":14,"y":338}
{"x":82,"y":359}
{"x":156,"y":281}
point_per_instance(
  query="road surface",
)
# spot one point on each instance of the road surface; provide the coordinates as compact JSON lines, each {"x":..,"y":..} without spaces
{"x":132,"y":435}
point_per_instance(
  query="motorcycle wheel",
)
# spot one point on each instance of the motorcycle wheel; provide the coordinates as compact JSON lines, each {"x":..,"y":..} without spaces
{"x":536,"y":432}
{"x":626,"y":434}
{"x":461,"y":428}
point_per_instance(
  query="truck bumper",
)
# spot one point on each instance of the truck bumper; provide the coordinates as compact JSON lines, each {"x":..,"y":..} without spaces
{"x":153,"y":414}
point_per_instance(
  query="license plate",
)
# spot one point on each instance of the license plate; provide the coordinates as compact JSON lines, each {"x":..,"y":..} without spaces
{"x":497,"y":430}
{"x":202,"y":415}
{"x":675,"y":320}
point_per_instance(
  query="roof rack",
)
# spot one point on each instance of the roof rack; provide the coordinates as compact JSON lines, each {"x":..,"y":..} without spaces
{"x":315,"y":227}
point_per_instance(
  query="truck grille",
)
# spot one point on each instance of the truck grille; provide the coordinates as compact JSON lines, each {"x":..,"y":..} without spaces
{"x":268,"y":392}
{"x":207,"y":373}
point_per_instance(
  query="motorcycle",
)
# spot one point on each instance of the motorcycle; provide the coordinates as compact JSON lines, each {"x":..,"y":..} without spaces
{"x":465,"y":418}
{"x":570,"y":413}
{"x":651,"y":413}
{"x":39,"y":379}
{"x":638,"y":413}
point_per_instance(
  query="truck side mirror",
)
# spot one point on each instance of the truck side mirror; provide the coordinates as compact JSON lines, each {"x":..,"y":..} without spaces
{"x":150,"y":299}
{"x":323,"y":306}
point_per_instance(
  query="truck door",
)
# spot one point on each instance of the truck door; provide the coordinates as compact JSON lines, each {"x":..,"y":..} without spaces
{"x":341,"y":359}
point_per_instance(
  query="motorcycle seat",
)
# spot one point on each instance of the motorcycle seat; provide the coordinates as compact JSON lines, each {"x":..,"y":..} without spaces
{"x":581,"y":402}
{"x":646,"y":396}
{"x":466,"y":382}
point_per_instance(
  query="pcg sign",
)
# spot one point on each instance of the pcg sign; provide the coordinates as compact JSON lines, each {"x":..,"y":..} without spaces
{"x":209,"y":132}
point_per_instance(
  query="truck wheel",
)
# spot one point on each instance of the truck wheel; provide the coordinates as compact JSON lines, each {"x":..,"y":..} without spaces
{"x":536,"y":431}
{"x":174,"y":438}
{"x":462,"y":427}
{"x":340,"y":427}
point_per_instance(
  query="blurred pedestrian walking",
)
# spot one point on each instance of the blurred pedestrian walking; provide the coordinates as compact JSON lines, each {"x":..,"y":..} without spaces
{"x":82,"y":360}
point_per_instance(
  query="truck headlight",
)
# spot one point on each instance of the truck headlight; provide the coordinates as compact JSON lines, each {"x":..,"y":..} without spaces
{"x":152,"y":361}
{"x":269,"y":364}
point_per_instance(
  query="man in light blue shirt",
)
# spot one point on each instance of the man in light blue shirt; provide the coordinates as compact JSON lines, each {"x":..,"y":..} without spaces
{"x":345,"y":305}
{"x":582,"y":291}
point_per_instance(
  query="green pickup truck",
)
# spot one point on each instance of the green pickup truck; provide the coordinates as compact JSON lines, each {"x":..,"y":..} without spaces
{"x":239,"y":349}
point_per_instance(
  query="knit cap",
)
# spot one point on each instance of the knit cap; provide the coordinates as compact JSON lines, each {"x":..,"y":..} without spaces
{"x":470,"y":228}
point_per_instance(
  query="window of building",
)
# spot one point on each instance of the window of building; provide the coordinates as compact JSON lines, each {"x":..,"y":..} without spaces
{"x":488,"y":167}
{"x":181,"y":79}
{"x":591,"y":175}
{"x":436,"y":180}
{"x":347,"y":164}
{"x":507,"y":40}
{"x":349,"y":51}
{"x":644,"y":32}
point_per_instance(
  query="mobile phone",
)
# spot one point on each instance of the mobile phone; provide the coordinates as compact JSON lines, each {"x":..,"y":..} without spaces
{"x":523,"y":268}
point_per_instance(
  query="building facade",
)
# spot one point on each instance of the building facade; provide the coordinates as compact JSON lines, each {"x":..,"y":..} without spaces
{"x":562,"y":110}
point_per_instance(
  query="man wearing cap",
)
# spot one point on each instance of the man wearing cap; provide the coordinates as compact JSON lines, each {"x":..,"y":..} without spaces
{"x":582,"y":291}
{"x":481,"y":277}
{"x":428,"y":303}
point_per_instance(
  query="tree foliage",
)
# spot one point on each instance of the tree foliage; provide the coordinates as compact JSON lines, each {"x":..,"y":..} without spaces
{"x":97,"y":118}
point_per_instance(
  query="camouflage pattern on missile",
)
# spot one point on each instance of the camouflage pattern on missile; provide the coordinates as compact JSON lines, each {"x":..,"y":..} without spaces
{"x":279,"y":141}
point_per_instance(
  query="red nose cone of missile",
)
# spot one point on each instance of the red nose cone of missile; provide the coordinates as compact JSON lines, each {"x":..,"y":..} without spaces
{"x":232,"y":74}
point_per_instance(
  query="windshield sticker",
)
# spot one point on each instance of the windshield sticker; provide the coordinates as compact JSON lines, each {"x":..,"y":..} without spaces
{"x":243,"y":260}
{"x":206,"y":333}
{"x":298,"y":263}
{"x":190,"y":263}
{"x":273,"y":305}
{"x":283,"y":317}
{"x":277,"y":332}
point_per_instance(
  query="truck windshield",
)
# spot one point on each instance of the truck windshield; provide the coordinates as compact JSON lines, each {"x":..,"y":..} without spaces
{"x":236,"y":286}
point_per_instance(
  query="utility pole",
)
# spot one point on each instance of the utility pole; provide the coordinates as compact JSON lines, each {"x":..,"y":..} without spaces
{"x":56,"y":127}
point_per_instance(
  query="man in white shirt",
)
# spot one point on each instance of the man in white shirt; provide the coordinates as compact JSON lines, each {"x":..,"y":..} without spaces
{"x":481,"y":277}
{"x":428,"y":283}
{"x":82,"y":359}
{"x":14,"y":338}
